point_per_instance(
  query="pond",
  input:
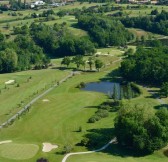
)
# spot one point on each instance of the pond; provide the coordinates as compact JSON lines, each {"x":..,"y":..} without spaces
{"x":112,"y":89}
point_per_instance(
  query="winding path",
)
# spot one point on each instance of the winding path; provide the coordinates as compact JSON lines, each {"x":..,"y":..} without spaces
{"x":89,"y":152}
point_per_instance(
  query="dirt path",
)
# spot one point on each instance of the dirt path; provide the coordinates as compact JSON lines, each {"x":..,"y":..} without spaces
{"x":89,"y":152}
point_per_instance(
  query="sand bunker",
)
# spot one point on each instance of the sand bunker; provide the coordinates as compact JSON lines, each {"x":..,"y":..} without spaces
{"x":7,"y":141}
{"x":47,"y":147}
{"x":46,"y":100}
{"x":10,"y":82}
{"x":98,"y":53}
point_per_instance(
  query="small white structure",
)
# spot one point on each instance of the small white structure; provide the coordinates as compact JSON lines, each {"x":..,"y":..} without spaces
{"x":39,"y":3}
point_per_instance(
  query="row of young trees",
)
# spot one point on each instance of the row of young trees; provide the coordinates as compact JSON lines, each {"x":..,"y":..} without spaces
{"x":103,"y":31}
{"x":156,"y":24}
{"x":79,"y":61}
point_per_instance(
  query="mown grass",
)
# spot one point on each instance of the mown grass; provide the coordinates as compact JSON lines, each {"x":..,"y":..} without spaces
{"x":18,"y":151}
{"x":27,"y":85}
{"x":58,"y":121}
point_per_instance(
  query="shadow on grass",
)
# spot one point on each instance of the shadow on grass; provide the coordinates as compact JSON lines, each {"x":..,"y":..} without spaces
{"x":100,"y":137}
{"x":113,"y":75}
{"x":63,"y":68}
{"x":91,"y":107}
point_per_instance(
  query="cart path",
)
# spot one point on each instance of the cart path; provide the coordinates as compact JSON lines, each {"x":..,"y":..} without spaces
{"x":89,"y":152}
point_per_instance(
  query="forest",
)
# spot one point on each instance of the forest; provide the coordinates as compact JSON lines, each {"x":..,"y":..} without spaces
{"x":103,"y":31}
{"x":156,"y":24}
{"x":147,"y":65}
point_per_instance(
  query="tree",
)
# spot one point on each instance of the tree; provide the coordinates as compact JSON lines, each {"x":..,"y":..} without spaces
{"x":90,"y":62}
{"x":8,"y":60}
{"x":98,"y":64}
{"x":66,"y":61}
{"x":115,"y":95}
{"x":78,"y":60}
{"x":140,"y":129}
{"x":2,"y":37}
{"x":164,"y":89}
{"x":61,"y":13}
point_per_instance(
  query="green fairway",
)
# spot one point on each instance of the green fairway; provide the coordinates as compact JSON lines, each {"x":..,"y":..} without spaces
{"x":58,"y":120}
{"x":18,"y":151}
{"x":31,"y":83}
{"x":59,"y":115}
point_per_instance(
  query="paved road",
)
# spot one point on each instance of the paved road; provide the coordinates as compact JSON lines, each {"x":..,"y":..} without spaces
{"x":26,"y":107}
{"x":89,"y":152}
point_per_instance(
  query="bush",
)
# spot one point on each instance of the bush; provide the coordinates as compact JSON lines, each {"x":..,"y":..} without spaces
{"x":81,"y":85}
{"x":102,"y":113}
{"x":84,"y":142}
{"x":94,"y":118}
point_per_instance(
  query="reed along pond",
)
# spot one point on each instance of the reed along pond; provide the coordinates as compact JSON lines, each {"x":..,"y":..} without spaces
{"x":112,"y":89}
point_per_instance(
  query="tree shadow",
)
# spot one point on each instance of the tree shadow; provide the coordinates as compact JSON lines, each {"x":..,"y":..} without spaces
{"x":100,"y":137}
{"x":63,"y":68}
{"x":91,"y":107}
{"x":161,"y":106}
{"x":113,"y":75}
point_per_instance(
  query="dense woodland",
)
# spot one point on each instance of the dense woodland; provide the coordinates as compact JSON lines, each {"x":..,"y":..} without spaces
{"x":21,"y":54}
{"x":103,"y":31}
{"x":58,"y":40}
{"x":156,"y":24}
{"x":147,"y":65}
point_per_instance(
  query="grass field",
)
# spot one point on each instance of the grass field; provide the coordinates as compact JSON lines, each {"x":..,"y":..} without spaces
{"x":13,"y":97}
{"x":18,"y":151}
{"x":58,"y":120}
{"x":68,"y":108}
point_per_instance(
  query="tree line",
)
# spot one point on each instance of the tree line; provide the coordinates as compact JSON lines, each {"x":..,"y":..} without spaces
{"x":147,"y":65}
{"x":156,"y":24}
{"x":21,"y":54}
{"x":58,"y":41}
{"x":103,"y":31}
{"x":140,"y":129}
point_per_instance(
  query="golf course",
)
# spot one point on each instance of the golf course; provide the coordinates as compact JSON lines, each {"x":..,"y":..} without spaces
{"x":47,"y":115}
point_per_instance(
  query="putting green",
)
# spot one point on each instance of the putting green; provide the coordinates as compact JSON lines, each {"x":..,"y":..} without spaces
{"x":18,"y":151}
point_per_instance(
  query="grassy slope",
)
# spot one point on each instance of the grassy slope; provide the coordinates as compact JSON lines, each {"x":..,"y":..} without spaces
{"x":12,"y":96}
{"x":58,"y":120}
